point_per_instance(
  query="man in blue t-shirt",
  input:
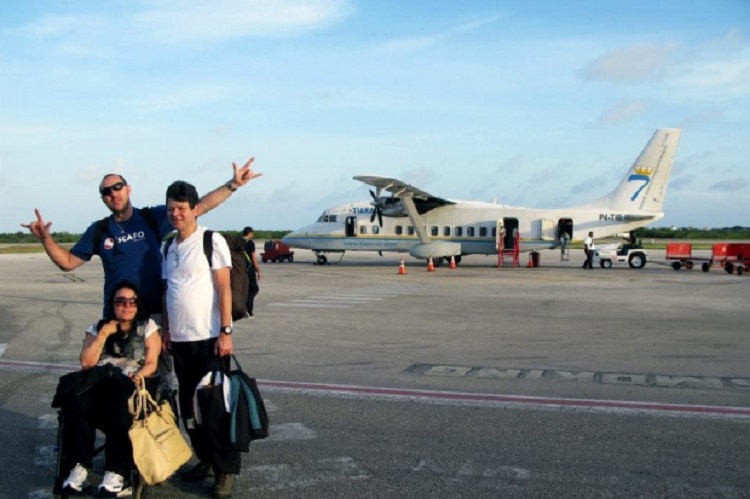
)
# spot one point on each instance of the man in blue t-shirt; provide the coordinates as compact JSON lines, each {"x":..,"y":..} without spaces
{"x":128,"y":241}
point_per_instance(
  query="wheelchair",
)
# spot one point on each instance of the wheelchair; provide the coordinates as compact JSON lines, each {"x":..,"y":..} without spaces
{"x":138,"y":485}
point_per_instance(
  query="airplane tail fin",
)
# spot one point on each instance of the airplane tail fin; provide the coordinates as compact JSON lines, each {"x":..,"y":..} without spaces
{"x":645,"y":185}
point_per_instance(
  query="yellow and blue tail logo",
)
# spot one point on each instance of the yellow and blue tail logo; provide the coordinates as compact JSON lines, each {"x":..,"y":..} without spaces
{"x":640,"y":175}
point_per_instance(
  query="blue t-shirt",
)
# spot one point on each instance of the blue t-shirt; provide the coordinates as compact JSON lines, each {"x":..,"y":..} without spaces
{"x":129,"y":251}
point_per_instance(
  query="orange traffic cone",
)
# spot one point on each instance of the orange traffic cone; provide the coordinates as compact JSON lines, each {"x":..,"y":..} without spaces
{"x":430,"y":266}
{"x":453,"y":263}
{"x":530,"y":265}
{"x":402,"y":268}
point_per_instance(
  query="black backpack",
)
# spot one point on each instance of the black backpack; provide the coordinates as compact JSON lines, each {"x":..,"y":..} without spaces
{"x":238,"y":278}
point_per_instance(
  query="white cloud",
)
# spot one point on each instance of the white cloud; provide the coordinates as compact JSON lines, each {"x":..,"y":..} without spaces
{"x":55,"y":26}
{"x":185,"y":96}
{"x":731,"y":185}
{"x":637,"y":63}
{"x":420,"y":42}
{"x":198,"y":20}
{"x":621,"y":112}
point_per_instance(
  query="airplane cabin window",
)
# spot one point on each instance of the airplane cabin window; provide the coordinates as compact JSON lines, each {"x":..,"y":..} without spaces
{"x":375,"y":229}
{"x":410,"y":230}
{"x":494,"y":232}
{"x":399,"y":230}
{"x":434,"y":230}
{"x":363,"y":229}
{"x":446,"y":231}
{"x":482,"y":231}
{"x":459,"y":231}
{"x":470,"y":231}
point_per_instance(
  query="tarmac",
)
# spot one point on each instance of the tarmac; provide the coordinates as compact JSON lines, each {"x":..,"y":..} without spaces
{"x":475,"y":382}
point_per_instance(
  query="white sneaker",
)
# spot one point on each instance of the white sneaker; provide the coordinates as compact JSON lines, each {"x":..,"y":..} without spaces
{"x":113,"y":485}
{"x":77,"y":478}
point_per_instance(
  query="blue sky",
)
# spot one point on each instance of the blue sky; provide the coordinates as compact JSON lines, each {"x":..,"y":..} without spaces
{"x":538,"y":104}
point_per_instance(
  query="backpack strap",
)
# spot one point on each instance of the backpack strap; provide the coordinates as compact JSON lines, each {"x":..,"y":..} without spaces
{"x":150,"y":219}
{"x":99,"y":231}
{"x":167,"y":242}
{"x":208,"y":247}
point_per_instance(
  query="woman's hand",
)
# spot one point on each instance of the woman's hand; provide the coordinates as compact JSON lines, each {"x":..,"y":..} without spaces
{"x":108,"y":329}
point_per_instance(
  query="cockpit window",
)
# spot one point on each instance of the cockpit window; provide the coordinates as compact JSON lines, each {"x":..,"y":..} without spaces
{"x":327,"y":218}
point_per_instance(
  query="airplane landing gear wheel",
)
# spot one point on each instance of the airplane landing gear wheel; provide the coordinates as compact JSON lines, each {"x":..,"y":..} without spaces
{"x":322,"y":260}
{"x":705,"y":267}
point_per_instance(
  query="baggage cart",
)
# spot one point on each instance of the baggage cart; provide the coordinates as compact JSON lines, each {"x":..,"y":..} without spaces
{"x":682,"y":254}
{"x":737,"y":258}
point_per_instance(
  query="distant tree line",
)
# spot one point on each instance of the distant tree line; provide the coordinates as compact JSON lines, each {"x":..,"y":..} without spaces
{"x":66,"y":237}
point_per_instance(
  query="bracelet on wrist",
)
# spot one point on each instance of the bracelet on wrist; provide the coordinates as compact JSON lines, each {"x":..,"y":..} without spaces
{"x":229,"y":186}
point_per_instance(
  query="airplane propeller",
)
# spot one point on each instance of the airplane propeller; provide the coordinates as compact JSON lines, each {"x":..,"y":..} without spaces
{"x":378,"y":208}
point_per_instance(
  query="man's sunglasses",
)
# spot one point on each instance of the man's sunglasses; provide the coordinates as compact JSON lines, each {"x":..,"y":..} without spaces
{"x":107,"y":191}
{"x":126,"y":302}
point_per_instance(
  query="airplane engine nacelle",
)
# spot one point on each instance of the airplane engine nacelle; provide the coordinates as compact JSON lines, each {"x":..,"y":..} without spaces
{"x":435,"y":249}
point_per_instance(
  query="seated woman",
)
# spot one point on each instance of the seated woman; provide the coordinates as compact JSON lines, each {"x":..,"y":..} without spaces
{"x":116,"y":352}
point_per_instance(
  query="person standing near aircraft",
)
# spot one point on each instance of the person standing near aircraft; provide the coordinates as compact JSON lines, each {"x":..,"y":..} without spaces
{"x":197,"y":325}
{"x":564,"y":229}
{"x":128,"y":240}
{"x":253,"y":270}
{"x":588,"y":248}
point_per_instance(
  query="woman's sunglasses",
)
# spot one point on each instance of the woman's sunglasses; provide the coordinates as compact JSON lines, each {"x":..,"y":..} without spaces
{"x":126,"y":302}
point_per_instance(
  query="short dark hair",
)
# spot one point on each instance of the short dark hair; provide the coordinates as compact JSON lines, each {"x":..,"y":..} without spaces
{"x":247,"y":230}
{"x":182,"y":191}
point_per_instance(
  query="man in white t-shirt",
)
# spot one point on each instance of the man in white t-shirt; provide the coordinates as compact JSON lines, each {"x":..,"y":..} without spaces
{"x":588,"y":248}
{"x":197,"y":324}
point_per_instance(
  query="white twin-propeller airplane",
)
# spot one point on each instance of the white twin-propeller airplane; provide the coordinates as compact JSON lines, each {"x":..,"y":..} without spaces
{"x":414,"y":221}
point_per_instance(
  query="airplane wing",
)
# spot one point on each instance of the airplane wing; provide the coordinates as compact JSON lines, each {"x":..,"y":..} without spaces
{"x":402,"y":189}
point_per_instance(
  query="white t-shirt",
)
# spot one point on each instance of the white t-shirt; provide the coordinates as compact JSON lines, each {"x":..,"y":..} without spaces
{"x":589,"y":243}
{"x":192,"y":299}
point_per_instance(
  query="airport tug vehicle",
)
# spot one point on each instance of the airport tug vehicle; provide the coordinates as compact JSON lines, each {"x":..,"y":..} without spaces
{"x":276,"y":251}
{"x":633,"y":254}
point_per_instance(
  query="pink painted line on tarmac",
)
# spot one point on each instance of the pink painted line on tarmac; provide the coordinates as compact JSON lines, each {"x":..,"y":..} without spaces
{"x":437,"y":396}
{"x":454,"y":397}
{"x":24,"y":365}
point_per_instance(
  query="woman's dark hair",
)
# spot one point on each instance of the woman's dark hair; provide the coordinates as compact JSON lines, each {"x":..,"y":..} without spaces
{"x":140,"y":313}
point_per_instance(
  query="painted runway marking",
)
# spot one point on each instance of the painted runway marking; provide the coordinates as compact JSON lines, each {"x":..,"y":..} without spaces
{"x":622,"y":407}
{"x":301,"y":475}
{"x":347,"y":299}
{"x":45,"y":455}
{"x":287,"y":432}
{"x":634,"y":379}
{"x":472,"y":470}
{"x":46,"y":421}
